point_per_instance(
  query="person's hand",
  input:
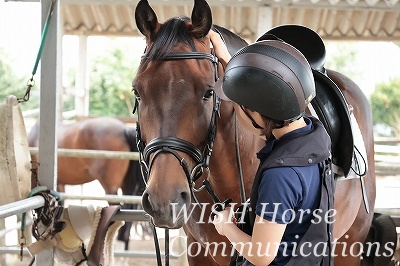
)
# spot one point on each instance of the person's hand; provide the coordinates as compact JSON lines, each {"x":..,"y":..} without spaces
{"x":222,"y":219}
{"x":221,"y":51}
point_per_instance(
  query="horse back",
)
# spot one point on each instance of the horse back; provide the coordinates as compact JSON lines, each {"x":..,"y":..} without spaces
{"x":33,"y":135}
{"x":359,"y":104}
{"x":101,"y":133}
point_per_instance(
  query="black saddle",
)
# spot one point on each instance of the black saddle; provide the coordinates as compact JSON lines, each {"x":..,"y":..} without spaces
{"x":332,"y":110}
{"x":232,"y":41}
{"x":329,"y":103}
{"x":307,"y":41}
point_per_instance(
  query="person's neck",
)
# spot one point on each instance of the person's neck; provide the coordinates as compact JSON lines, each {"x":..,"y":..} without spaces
{"x":279,"y":132}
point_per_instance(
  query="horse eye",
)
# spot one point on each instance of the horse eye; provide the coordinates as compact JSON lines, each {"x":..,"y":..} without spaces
{"x":136,"y":93}
{"x":208,"y":95}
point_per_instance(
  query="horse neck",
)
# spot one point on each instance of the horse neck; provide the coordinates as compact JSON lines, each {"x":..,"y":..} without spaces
{"x":224,"y":161}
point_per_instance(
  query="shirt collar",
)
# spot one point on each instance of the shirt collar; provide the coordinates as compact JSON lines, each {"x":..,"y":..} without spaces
{"x":266,"y":150}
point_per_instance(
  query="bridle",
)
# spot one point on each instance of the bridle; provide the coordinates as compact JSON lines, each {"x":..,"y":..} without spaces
{"x":172,"y":144}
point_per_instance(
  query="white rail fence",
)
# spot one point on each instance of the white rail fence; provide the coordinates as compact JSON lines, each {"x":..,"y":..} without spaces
{"x":387,"y":156}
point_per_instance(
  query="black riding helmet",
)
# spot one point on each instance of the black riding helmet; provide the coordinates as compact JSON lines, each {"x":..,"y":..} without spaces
{"x":272,"y":78}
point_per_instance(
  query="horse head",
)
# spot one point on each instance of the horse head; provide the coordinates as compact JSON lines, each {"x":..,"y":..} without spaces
{"x":177,"y":108}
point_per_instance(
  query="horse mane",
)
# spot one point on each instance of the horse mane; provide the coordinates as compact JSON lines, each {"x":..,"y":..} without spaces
{"x":173,"y":31}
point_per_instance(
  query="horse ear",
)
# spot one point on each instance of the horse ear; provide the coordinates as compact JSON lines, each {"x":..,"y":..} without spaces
{"x":146,"y":19}
{"x":201,"y":18}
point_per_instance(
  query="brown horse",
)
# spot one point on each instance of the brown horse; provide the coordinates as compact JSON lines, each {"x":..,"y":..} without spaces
{"x":102,"y":133}
{"x":182,"y":144}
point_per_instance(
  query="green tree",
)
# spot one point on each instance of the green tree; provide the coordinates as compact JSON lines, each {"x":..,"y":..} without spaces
{"x":111,"y":84}
{"x":68,"y":98}
{"x":341,"y":57}
{"x":385,"y":104}
{"x":13,"y":85}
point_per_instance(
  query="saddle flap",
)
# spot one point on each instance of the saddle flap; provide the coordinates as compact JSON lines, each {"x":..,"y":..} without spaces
{"x":332,"y":110}
{"x":101,"y":244}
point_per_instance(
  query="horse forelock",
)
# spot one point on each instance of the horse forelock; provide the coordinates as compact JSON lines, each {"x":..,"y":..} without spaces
{"x":173,"y":31}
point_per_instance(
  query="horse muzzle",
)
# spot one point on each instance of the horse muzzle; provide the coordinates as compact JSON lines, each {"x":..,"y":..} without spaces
{"x":170,"y":212}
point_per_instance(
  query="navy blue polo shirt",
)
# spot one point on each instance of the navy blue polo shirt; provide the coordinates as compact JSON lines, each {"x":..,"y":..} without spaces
{"x":288,"y":195}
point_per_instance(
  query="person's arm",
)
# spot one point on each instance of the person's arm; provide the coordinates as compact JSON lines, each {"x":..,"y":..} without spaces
{"x":221,"y":51}
{"x":280,"y":184}
{"x":260,"y":248}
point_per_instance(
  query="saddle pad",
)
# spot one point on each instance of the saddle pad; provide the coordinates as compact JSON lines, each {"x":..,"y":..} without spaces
{"x":359,"y":164}
{"x":15,"y":182}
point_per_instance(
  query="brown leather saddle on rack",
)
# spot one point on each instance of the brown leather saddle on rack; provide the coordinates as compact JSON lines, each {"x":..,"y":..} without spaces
{"x":84,"y":234}
{"x":329,"y":104}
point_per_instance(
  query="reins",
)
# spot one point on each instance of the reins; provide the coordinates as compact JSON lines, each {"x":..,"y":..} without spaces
{"x":239,"y":164}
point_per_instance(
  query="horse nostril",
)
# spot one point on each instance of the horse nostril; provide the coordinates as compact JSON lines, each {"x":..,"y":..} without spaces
{"x":147,"y":206}
{"x":185,"y":197}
